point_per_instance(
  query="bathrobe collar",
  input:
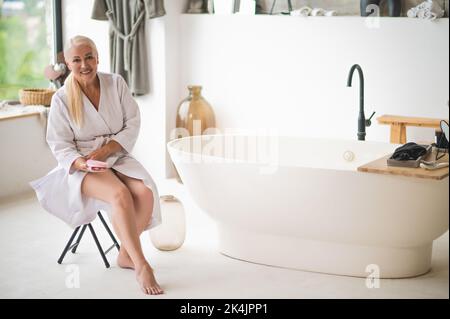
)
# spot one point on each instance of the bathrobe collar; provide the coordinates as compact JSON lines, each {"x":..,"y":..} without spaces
{"x":91,"y":108}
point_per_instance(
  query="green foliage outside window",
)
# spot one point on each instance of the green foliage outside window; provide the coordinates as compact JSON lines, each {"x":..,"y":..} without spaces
{"x":24,"y":52}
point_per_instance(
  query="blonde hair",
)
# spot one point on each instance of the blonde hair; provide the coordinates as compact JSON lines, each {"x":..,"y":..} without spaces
{"x":72,"y":87}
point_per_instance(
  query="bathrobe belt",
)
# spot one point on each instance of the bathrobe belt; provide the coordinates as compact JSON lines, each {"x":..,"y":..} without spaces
{"x":86,"y":147}
{"x":127,"y":38}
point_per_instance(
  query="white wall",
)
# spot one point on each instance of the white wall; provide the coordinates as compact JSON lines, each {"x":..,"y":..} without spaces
{"x":25,"y":154}
{"x":76,"y":20}
{"x":290,"y":73}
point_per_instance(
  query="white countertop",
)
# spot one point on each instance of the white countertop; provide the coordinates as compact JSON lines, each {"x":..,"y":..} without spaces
{"x":15,"y":111}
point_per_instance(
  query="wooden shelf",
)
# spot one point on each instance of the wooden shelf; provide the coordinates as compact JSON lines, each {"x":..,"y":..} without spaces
{"x":399,"y":123}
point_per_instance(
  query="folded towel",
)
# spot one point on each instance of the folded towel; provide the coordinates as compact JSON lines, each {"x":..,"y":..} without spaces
{"x":429,"y":10}
{"x":316,"y":12}
{"x":330,"y":13}
{"x":409,"y":151}
{"x":302,"y":12}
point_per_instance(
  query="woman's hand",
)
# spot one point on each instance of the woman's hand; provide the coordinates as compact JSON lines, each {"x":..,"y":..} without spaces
{"x":100,"y":154}
{"x":105,"y":151}
{"x":80,"y":164}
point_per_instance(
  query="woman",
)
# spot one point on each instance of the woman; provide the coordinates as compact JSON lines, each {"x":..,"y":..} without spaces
{"x":93,"y":116}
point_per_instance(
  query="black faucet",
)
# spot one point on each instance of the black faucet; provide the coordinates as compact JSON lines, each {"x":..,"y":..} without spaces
{"x":362,"y":122}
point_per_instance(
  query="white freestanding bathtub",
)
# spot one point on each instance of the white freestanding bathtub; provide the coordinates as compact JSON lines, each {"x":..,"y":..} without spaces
{"x":301,"y":203}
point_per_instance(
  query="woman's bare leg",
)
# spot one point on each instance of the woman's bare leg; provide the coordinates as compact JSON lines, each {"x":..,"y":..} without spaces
{"x":107,"y":187}
{"x":142,"y":198}
{"x":143,"y":203}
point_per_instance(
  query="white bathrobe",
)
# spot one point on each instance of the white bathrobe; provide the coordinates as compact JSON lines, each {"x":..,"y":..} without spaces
{"x":117,"y":118}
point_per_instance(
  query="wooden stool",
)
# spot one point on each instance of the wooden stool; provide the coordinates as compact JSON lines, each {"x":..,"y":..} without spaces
{"x":399,"y":123}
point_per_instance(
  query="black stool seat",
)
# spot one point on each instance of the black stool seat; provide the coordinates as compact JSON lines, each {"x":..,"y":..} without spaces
{"x":73,"y":247}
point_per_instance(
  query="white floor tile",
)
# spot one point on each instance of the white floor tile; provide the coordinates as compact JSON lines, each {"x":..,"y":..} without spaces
{"x":31,"y":241}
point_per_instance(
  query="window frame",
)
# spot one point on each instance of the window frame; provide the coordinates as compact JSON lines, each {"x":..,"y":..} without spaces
{"x":57,"y":30}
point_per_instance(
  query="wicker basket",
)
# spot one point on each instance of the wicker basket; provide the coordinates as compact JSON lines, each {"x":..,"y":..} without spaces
{"x":36,"y":96}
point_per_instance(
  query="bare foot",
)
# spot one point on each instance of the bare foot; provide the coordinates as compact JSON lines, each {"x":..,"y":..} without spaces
{"x":147,"y":281}
{"x":124,"y":260}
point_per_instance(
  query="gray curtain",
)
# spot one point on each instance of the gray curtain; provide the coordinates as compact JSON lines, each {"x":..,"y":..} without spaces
{"x":128,"y":49}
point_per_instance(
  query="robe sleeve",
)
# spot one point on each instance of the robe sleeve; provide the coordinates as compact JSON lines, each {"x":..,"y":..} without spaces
{"x":60,"y":136}
{"x":128,"y":135}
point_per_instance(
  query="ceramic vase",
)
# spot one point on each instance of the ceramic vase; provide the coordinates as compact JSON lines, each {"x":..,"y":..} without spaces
{"x":170,"y":234}
{"x":194,"y":113}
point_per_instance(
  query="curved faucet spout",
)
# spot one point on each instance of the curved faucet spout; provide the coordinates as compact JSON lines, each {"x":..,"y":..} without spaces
{"x":362,"y":117}
{"x":361,"y":76}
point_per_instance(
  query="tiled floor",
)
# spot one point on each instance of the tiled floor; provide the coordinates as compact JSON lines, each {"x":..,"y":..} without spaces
{"x":31,"y":241}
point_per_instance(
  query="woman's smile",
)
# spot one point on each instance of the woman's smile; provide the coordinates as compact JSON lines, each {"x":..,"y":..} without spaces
{"x":86,"y":72}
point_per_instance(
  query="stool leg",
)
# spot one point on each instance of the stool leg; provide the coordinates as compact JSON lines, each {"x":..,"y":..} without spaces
{"x":100,"y":249}
{"x":109,"y":231}
{"x":66,"y":249}
{"x":74,"y":249}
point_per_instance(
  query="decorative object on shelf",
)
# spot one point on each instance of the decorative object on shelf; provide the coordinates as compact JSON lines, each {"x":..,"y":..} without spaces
{"x":316,"y":12}
{"x":194,"y":113}
{"x":302,"y":12}
{"x":289,"y":5}
{"x":428,"y":10}
{"x":56,"y":73}
{"x":224,"y":6}
{"x":341,"y":7}
{"x":197,"y":6}
{"x":445,"y":131}
{"x":394,"y":7}
{"x":36,"y":96}
{"x":170,"y":235}
{"x":442,"y":136}
{"x":442,"y":141}
{"x":210,"y":6}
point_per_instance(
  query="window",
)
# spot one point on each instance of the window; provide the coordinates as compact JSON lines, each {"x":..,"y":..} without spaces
{"x":26,"y":45}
